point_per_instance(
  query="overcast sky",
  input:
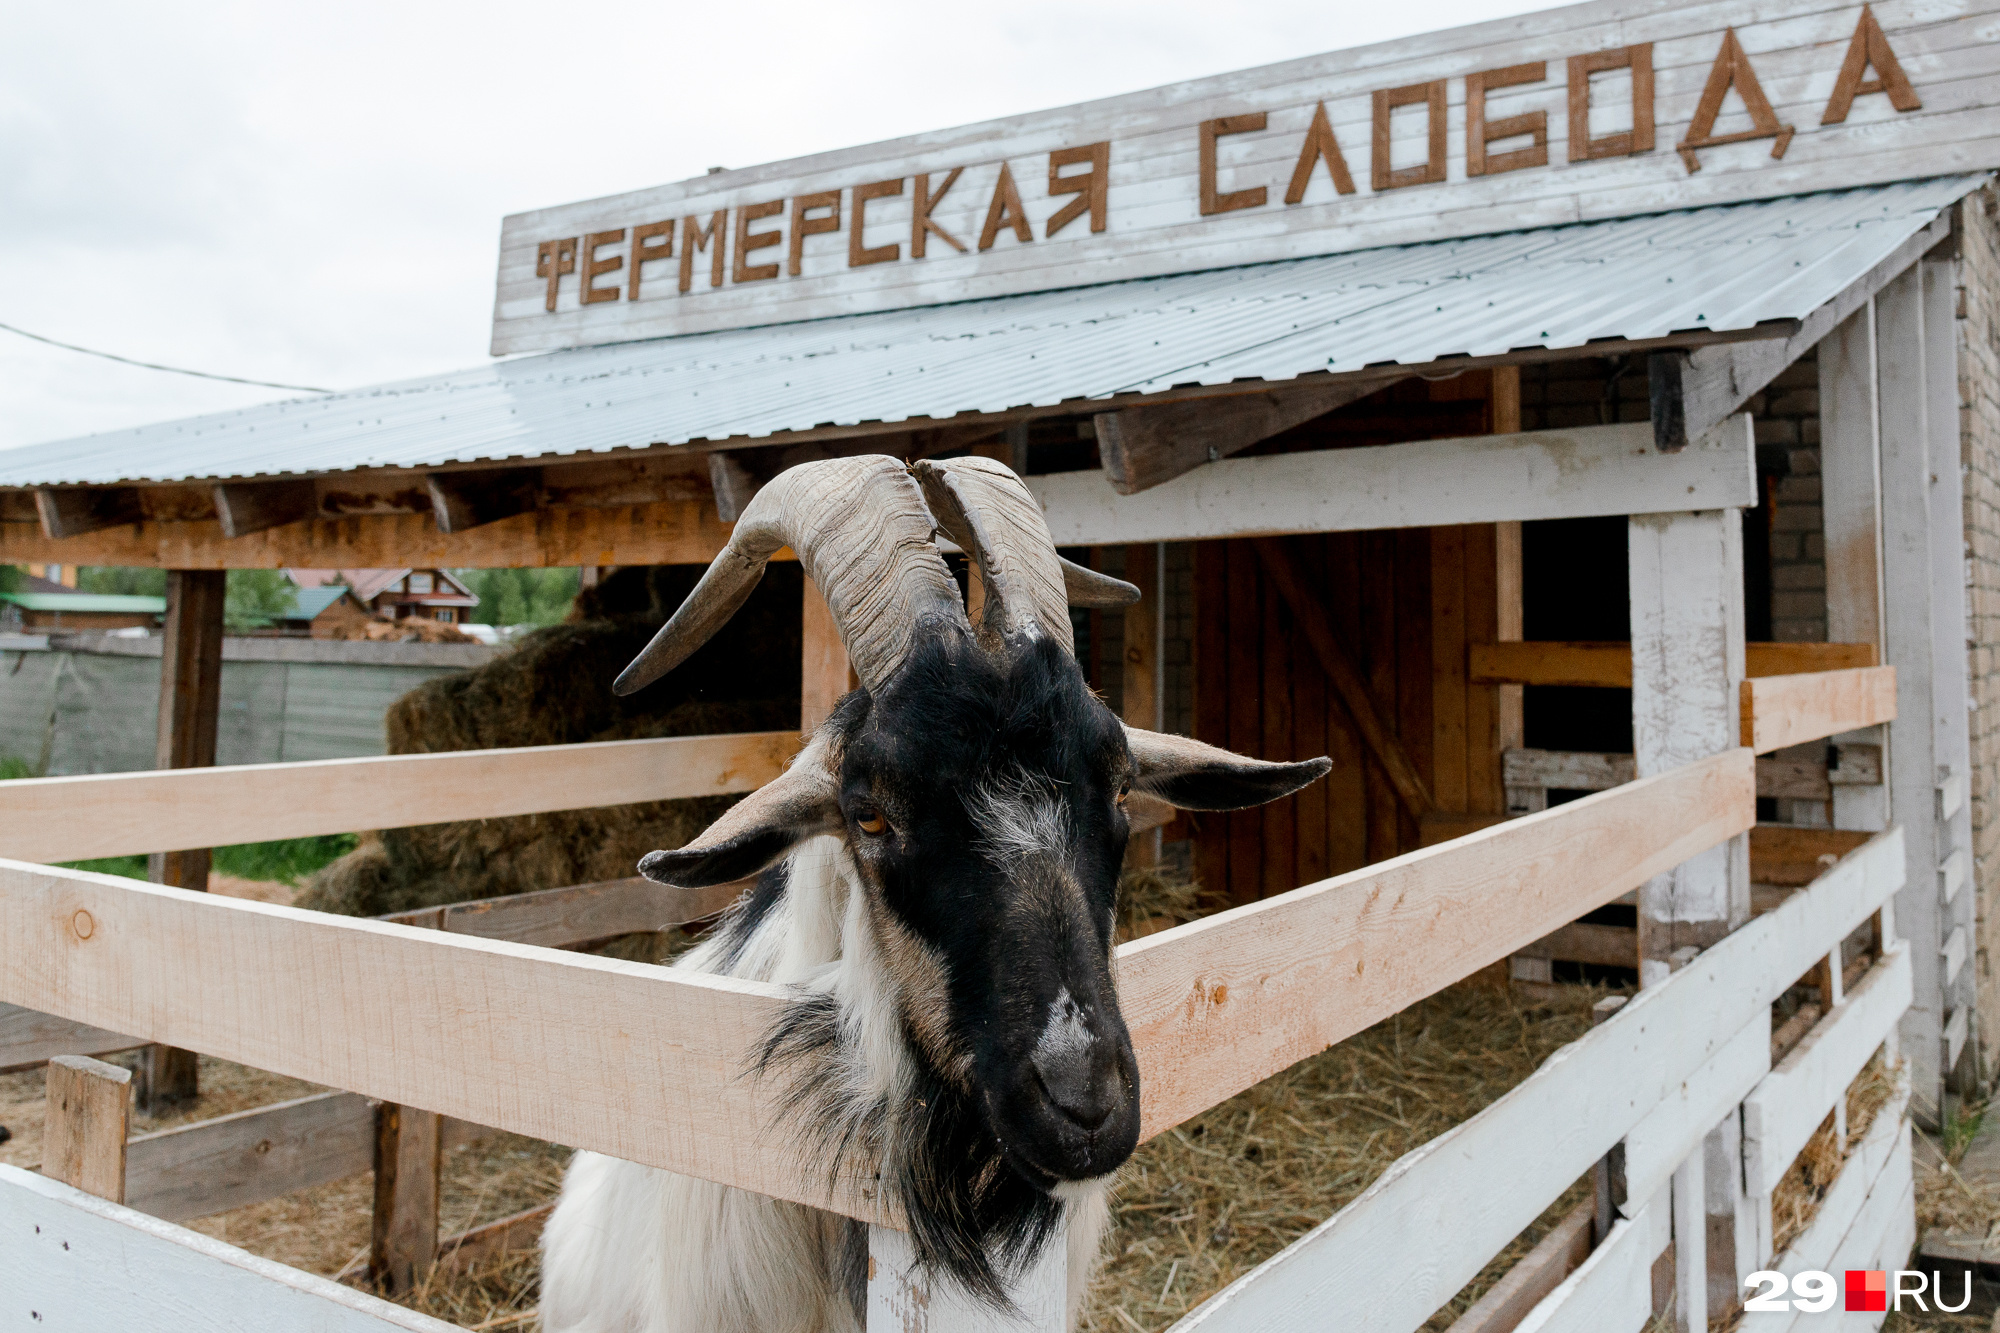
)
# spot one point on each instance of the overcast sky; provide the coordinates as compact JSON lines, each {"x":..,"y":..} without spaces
{"x":313,"y":194}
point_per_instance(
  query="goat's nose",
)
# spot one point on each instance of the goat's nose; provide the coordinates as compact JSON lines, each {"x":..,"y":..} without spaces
{"x":1078,"y":1068}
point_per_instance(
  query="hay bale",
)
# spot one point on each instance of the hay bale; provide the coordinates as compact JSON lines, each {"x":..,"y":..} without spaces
{"x":554,"y":688}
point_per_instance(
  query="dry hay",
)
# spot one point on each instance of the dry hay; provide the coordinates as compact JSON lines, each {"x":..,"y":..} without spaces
{"x":1797,"y":1199}
{"x":553,"y":689}
{"x":1202,"y":1204}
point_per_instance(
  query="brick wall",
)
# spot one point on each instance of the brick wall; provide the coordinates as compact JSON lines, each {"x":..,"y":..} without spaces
{"x":1979,"y":442}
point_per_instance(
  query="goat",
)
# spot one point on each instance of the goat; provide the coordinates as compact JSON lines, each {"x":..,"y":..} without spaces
{"x":937,"y":871}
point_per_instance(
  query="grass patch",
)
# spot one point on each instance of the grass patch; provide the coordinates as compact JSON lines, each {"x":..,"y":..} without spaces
{"x":287,"y":860}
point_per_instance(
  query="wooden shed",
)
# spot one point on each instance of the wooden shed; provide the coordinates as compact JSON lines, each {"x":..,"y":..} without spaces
{"x":1453,"y":403}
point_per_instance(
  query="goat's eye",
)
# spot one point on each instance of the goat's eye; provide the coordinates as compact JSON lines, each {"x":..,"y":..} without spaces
{"x":1124,"y":791}
{"x":871,"y":823}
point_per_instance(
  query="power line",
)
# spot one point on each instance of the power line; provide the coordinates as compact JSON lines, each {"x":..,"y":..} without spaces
{"x":151,"y":365}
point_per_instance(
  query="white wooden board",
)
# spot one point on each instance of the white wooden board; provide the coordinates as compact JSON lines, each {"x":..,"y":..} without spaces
{"x":1612,"y":1290}
{"x":70,"y":1263}
{"x":1792,"y":1100}
{"x":1459,"y":1198}
{"x":1675,"y":1128}
{"x":1586,"y":472}
{"x":1842,"y":1207}
{"x":1153,"y":221}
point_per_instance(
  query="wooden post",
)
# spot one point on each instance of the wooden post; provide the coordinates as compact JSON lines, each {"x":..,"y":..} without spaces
{"x":903,"y":1299}
{"x":824,"y":674}
{"x":1851,"y":499}
{"x":403,"y":1243}
{"x":1145,"y":655}
{"x":1924,"y":639}
{"x":85,"y":1125}
{"x":1687,"y":675}
{"x":190,"y":707}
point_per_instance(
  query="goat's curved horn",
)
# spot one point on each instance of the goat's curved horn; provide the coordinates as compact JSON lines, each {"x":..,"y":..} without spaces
{"x":863,"y":534}
{"x":981,"y":505}
{"x":1086,"y":587}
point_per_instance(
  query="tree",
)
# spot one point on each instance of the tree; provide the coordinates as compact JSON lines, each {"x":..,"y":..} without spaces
{"x":520,"y":596}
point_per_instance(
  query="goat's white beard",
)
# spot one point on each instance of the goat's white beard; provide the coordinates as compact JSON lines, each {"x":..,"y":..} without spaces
{"x":633,"y":1249}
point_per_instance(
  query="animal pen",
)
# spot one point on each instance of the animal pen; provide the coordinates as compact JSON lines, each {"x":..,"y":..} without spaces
{"x":1339,"y":408}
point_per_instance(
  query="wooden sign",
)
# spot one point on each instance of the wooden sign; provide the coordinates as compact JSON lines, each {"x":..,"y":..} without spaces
{"x":1606,"y":109}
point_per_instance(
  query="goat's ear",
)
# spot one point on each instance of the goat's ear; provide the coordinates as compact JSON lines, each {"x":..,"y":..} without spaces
{"x":759,"y":829}
{"x":1195,"y":776}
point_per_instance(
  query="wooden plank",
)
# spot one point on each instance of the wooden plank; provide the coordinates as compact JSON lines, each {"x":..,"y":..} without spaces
{"x":231,"y":1161}
{"x":1786,"y":1108}
{"x":79,"y":1263}
{"x":1309,"y":728}
{"x":1606,"y":665}
{"x":1246,"y":731}
{"x":560,"y":918}
{"x":1451,"y":778}
{"x":1667,"y":1134}
{"x":1786,"y":710}
{"x":1613,"y":1288}
{"x":244,"y":509}
{"x":1793,"y":779}
{"x":1568,"y":770}
{"x":1955,"y":950}
{"x":1142,"y":447}
{"x":1357,"y":693}
{"x":29,"y":1039}
{"x":1576,"y":1106}
{"x":214,"y":807}
{"x":1352,"y":784}
{"x":403,"y":1239}
{"x":1586,"y":472}
{"x":1484,"y":720}
{"x":677,"y":532}
{"x":1228,"y":1000}
{"x":1410,"y":713}
{"x":1211,"y":699}
{"x":1279,"y":852}
{"x":1604,"y":946}
{"x":1537,"y":1273}
{"x":1789,"y":857}
{"x":1609,"y":665}
{"x":88,"y":1115}
{"x":825,"y":675}
{"x":77,"y":511}
{"x":532,"y":1040}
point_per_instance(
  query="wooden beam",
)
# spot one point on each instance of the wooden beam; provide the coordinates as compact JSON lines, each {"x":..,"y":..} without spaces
{"x":1792,"y":857}
{"x":507,"y":1235}
{"x":1346,"y":678}
{"x":403,"y":1240}
{"x":1778,"y":711}
{"x":84,"y":1263}
{"x":1533,"y":1276}
{"x":216,"y":807}
{"x":1141,"y":447}
{"x":566,"y":917}
{"x":825,"y":674}
{"x":1609,"y":665}
{"x":1142,"y":678}
{"x":1666,"y":375}
{"x":85,"y":1123}
{"x":29,"y":1039}
{"x":190,"y":711}
{"x":661,"y":533}
{"x":1604,"y":946}
{"x":1586,"y":472}
{"x":247,"y":507}
{"x":231,"y":1161}
{"x":74,"y":511}
{"x":462,"y":501}
{"x":732,"y":483}
{"x":1226,"y":1001}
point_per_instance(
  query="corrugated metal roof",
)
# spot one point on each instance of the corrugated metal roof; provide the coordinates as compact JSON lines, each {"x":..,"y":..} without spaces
{"x":1720,"y":268}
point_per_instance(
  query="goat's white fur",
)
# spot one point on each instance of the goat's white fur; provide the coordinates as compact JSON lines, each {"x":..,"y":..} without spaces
{"x":633,"y":1249}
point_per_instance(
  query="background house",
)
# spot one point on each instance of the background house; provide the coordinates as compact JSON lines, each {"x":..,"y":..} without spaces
{"x":39,"y":605}
{"x":394,"y":594}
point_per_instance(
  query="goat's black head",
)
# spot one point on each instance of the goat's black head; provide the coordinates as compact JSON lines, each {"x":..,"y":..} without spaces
{"x":981,"y":789}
